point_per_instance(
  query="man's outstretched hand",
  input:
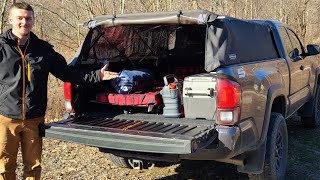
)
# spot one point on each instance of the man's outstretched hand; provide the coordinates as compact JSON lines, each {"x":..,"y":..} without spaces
{"x":107,"y":75}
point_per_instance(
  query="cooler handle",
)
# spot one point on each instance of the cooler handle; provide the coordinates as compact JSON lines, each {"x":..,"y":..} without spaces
{"x":207,"y":92}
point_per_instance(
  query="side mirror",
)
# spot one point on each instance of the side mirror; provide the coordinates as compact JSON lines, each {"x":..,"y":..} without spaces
{"x":313,"y":49}
{"x":294,"y":54}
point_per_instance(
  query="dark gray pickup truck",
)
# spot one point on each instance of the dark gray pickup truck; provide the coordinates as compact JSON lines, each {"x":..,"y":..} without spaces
{"x":234,"y":82}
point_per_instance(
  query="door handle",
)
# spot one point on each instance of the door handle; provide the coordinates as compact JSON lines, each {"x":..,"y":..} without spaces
{"x":301,"y":67}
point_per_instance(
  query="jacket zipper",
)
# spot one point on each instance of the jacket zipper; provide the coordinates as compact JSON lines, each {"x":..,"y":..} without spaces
{"x":23,"y":76}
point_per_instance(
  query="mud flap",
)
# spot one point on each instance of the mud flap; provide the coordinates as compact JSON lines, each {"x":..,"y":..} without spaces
{"x":254,"y":161}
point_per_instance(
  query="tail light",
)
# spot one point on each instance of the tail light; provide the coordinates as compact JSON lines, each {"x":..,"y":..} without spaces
{"x":68,"y":96}
{"x":228,"y":102}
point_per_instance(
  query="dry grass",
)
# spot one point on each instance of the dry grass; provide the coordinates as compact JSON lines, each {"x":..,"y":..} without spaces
{"x":55,"y":107}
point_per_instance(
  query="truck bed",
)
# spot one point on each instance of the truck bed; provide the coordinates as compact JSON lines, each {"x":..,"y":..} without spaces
{"x":135,"y":132}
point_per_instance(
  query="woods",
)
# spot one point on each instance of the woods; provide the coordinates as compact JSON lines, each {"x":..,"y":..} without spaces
{"x":58,"y":20}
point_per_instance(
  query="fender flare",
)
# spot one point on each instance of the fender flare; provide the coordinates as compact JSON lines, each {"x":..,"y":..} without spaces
{"x":255,"y":159}
{"x":274,"y":91}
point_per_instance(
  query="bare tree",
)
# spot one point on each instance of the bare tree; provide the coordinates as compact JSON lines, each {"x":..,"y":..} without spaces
{"x":58,"y":20}
{"x":3,"y":9}
{"x":122,"y":4}
{"x":301,"y":18}
{"x":194,"y":4}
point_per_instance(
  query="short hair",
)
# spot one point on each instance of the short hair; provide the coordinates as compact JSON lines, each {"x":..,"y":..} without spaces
{"x":21,"y":5}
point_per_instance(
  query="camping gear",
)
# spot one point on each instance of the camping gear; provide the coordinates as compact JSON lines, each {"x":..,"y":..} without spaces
{"x":171,"y":95}
{"x":130,"y":81}
{"x":199,"y":89}
{"x":149,"y":99}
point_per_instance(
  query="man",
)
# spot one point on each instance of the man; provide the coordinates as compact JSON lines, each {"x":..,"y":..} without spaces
{"x":25,"y":62}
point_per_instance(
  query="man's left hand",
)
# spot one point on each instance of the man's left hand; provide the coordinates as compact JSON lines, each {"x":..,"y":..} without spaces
{"x":107,"y":75}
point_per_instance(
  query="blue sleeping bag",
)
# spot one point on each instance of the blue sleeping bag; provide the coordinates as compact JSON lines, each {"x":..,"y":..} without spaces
{"x":130,"y":81}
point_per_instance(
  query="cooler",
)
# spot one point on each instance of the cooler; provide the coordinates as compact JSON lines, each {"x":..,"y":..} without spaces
{"x":199,"y":98}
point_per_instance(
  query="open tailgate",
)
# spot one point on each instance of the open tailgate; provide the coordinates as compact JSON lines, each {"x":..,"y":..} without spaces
{"x":179,"y":136}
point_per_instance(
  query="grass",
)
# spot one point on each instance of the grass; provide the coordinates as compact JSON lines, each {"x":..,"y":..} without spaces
{"x":304,"y":151}
{"x":55,"y":105}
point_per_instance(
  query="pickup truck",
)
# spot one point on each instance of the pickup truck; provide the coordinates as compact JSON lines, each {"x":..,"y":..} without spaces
{"x":239,"y":81}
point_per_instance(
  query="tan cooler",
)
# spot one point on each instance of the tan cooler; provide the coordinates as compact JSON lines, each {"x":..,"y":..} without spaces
{"x":199,"y":98}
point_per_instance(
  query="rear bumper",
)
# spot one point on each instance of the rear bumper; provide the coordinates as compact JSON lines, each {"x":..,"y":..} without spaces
{"x":232,"y":141}
{"x":238,"y":138}
{"x":228,"y":136}
{"x":134,"y":141}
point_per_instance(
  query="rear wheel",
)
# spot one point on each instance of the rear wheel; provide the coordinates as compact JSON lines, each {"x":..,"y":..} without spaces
{"x":130,"y":163}
{"x":276,"y":150}
{"x":314,"y":120}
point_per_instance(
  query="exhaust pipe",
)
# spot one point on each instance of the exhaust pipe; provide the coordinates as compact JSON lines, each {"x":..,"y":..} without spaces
{"x":238,"y":162}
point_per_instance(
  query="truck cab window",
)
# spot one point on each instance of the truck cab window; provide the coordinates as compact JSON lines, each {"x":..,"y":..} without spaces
{"x":295,"y":41}
{"x":286,"y":41}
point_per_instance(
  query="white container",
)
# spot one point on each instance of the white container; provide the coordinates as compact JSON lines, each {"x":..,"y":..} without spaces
{"x":199,"y":99}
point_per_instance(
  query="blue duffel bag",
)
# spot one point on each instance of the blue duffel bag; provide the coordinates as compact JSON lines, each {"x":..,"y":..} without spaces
{"x":130,"y":81}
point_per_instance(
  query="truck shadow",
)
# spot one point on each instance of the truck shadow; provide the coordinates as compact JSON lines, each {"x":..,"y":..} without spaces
{"x":205,"y":170}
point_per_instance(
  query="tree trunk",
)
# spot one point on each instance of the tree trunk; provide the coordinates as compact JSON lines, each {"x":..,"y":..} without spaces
{"x":122,"y":6}
{"x":194,"y":4}
{"x":251,"y":9}
{"x":2,"y":15}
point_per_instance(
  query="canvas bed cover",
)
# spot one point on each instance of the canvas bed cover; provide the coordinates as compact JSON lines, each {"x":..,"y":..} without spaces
{"x":228,"y":40}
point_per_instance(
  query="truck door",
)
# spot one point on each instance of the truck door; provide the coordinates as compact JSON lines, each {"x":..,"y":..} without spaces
{"x":299,"y":70}
{"x":305,"y":62}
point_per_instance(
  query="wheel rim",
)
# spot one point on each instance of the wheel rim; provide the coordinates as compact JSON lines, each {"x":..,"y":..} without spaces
{"x":279,"y":150}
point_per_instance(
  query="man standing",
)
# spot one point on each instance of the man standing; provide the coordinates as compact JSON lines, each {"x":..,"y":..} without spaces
{"x":25,"y":63}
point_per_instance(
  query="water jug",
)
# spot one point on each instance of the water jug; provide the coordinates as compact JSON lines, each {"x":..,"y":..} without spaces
{"x":171,"y":96}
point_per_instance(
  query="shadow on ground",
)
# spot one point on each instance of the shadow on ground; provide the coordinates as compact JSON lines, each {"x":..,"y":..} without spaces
{"x":205,"y":170}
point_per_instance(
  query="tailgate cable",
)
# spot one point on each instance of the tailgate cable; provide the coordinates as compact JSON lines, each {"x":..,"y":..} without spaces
{"x":131,"y":126}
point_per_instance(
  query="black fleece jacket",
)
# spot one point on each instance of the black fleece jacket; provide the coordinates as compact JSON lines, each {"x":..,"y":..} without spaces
{"x":42,"y":59}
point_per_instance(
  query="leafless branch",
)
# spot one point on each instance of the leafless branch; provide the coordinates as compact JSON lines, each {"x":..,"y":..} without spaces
{"x":3,"y":9}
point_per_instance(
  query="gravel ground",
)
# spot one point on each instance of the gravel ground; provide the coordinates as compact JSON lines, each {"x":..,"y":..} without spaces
{"x":63,"y":160}
{"x":70,"y":161}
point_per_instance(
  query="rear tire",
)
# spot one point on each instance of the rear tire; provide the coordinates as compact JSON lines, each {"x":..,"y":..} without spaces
{"x":314,"y":120}
{"x":276,"y":150}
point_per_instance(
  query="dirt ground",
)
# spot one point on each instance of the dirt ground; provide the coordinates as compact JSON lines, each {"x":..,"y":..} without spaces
{"x":62,"y":160}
